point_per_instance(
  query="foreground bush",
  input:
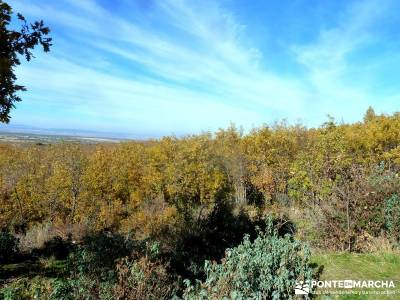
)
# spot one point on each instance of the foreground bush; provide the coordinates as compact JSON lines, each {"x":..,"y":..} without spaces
{"x":82,"y":288}
{"x":135,"y":280}
{"x":143,"y":279}
{"x":392,"y":217}
{"x":98,"y":253}
{"x":267,"y":268}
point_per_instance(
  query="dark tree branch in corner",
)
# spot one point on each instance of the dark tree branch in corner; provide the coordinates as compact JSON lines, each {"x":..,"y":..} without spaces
{"x":12,"y":44}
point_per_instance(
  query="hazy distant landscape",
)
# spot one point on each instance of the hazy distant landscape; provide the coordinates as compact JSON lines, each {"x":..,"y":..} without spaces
{"x":23,"y":132}
{"x":20,"y":137}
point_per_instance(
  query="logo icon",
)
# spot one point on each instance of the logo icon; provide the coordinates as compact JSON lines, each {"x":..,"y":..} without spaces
{"x":302,"y":288}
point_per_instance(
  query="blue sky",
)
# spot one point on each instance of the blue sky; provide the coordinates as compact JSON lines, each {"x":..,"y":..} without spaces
{"x":150,"y":68}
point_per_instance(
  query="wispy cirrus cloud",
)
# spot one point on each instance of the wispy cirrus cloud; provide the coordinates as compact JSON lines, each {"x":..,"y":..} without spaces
{"x":335,"y":76}
{"x":179,"y":66}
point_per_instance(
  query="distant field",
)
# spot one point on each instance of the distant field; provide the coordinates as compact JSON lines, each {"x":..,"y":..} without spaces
{"x":11,"y":137}
{"x":342,"y":266}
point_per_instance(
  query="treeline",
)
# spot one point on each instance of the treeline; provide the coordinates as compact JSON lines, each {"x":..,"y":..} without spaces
{"x":338,"y":183}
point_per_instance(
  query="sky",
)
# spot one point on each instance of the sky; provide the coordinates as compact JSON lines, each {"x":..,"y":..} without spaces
{"x":144,"y":68}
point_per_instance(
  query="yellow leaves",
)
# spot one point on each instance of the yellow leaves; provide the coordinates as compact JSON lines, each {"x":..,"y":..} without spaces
{"x":192,"y":170}
{"x":109,"y":215}
{"x":151,"y":219}
{"x":393,"y":155}
{"x":265,"y":182}
{"x":113,"y":184}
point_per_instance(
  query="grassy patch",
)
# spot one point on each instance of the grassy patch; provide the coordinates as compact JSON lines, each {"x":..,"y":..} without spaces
{"x":342,"y":266}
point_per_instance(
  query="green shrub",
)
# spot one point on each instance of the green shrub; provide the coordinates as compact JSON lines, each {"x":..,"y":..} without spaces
{"x":26,"y":289}
{"x":13,"y":292}
{"x":82,"y":287}
{"x":8,"y":246}
{"x":392,"y":217}
{"x":267,"y":268}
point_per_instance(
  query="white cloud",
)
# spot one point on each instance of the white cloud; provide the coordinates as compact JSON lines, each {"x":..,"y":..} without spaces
{"x":328,"y":64}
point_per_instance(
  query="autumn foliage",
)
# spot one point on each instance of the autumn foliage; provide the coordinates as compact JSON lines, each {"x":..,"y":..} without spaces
{"x":337,"y":177}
